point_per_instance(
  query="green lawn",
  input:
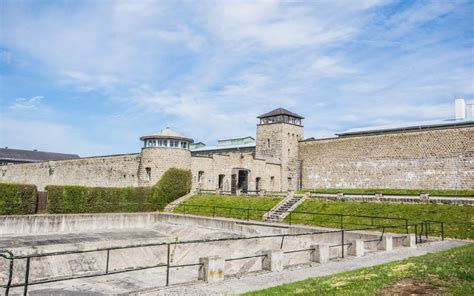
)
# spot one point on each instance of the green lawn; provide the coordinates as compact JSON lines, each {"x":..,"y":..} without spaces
{"x":449,"y":272}
{"x":392,"y":191}
{"x":459,"y":220}
{"x":217,"y":205}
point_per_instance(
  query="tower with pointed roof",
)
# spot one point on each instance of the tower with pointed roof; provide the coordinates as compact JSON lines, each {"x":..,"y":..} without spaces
{"x":278,"y":134}
{"x":162,"y":151}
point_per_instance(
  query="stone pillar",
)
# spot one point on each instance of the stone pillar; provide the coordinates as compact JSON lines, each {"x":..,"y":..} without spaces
{"x":386,"y":244}
{"x":409,"y":241}
{"x":356,"y":248}
{"x":273,"y":261}
{"x":211,"y":270}
{"x":378,"y":196}
{"x":425,"y":197}
{"x":320,"y":253}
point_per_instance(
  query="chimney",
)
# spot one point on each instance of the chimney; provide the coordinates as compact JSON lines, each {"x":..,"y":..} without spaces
{"x":460,"y":109}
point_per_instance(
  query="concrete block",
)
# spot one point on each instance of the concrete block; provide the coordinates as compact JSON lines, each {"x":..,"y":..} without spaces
{"x":409,"y":241}
{"x":212,"y":269}
{"x":273,"y":261}
{"x":386,"y":244}
{"x":320,"y":253}
{"x":356,"y":248}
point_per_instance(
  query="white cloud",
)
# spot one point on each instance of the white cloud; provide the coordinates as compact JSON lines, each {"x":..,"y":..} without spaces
{"x":29,"y":104}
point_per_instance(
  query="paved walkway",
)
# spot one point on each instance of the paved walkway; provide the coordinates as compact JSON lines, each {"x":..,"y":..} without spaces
{"x":266,"y":280}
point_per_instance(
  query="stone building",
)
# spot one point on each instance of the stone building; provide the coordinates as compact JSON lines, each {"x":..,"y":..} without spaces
{"x":436,"y":154}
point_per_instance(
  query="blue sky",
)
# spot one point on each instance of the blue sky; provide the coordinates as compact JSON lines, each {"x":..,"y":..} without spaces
{"x":91,"y":77}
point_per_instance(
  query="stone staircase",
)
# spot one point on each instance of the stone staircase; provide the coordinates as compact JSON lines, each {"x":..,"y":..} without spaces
{"x":283,"y":208}
{"x":171,"y":206}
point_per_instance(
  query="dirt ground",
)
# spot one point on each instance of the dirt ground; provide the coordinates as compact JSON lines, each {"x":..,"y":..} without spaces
{"x":412,"y":286}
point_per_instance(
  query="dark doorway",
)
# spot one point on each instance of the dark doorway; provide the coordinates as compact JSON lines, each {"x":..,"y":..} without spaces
{"x":233,"y":184}
{"x":257,"y":184}
{"x":242,"y":184}
{"x":221,"y":182}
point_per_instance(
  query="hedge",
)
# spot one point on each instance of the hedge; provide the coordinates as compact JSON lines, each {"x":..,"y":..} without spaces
{"x":393,"y":191}
{"x":17,"y":199}
{"x":173,"y":184}
{"x":80,"y":199}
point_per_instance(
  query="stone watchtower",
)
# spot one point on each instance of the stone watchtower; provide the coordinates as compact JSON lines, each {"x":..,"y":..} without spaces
{"x":277,"y":142}
{"x":160,"y":152}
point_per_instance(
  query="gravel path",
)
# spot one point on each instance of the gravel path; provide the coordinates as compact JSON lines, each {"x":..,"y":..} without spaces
{"x":266,"y":280}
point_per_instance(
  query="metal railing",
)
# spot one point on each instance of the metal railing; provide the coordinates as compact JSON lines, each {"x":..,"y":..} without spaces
{"x":293,"y":216}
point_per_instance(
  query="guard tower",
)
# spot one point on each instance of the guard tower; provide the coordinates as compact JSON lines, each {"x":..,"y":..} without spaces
{"x":278,"y":134}
{"x":160,"y":152}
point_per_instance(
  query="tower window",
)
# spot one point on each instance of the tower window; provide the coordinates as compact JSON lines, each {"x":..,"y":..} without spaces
{"x":148,"y":174}
{"x":268,"y":143}
{"x":200,"y":176}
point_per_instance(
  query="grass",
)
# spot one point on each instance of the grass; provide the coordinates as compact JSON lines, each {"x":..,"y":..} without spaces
{"x":459,"y":220}
{"x":449,"y":272}
{"x":217,"y":205}
{"x":392,"y":191}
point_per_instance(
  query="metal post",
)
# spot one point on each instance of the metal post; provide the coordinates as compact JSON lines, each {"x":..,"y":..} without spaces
{"x":406,"y":226}
{"x":213,"y":211}
{"x":416,"y":233}
{"x":27,"y":275}
{"x":442,"y":230}
{"x":282,"y":240}
{"x":342,"y":225}
{"x":168,"y":267}
{"x":10,"y":278}
{"x":107,"y":263}
{"x":342,"y":243}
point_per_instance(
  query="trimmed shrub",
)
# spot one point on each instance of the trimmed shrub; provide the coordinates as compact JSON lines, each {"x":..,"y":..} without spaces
{"x":81,"y":199}
{"x":393,"y":191}
{"x":17,"y":199}
{"x":173,"y":184}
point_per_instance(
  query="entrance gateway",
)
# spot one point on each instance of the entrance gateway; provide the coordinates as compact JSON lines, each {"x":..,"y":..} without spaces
{"x":239,"y":180}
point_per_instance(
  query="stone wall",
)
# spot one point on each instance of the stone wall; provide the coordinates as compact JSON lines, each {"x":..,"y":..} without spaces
{"x":442,"y":159}
{"x":105,"y":171}
{"x":228,"y":164}
{"x":158,"y":160}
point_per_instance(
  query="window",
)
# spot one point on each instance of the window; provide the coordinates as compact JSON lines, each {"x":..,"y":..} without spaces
{"x":174,"y":143}
{"x":200,"y":176}
{"x":221,"y":181}
{"x":268,"y":143}
{"x":257,"y":183}
{"x":290,"y":185}
{"x":148,"y":174}
{"x":184,"y":145}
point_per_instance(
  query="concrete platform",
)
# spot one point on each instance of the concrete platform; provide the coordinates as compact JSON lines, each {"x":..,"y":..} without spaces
{"x":167,"y":228}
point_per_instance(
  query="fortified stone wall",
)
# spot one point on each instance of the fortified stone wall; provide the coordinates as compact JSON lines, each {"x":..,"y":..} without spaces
{"x":230,"y":163}
{"x":105,"y":171}
{"x":442,"y":159}
{"x":156,"y":161}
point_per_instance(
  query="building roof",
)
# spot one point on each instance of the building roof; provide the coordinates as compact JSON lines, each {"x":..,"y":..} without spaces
{"x":223,"y":148}
{"x":167,"y":133}
{"x":280,"y":111}
{"x":407,"y":126}
{"x":33,"y":155}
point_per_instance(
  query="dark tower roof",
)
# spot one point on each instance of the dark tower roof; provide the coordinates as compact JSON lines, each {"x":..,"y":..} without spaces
{"x":280,"y":111}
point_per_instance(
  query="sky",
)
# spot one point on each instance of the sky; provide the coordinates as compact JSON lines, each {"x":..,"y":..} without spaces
{"x":91,"y":77}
